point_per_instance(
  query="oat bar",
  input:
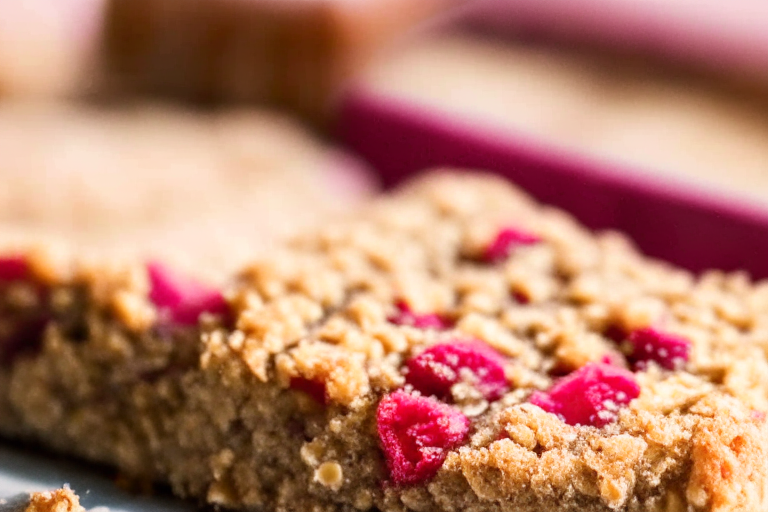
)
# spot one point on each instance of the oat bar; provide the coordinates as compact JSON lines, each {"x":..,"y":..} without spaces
{"x":149,"y":179}
{"x":289,"y":53}
{"x":594,"y":105}
{"x":454,"y":346}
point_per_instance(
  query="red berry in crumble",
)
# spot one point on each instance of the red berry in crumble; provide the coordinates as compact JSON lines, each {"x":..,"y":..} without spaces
{"x":506,"y":241}
{"x":592,"y":395}
{"x":406,"y":316}
{"x":438,"y":368}
{"x":13,"y":268}
{"x":181,"y":298}
{"x":415,"y":434}
{"x":667,"y":350}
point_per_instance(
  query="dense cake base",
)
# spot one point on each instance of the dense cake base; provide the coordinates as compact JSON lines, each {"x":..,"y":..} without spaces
{"x":415,"y":358}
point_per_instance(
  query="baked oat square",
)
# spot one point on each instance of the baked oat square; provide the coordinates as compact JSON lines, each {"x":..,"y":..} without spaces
{"x":453,"y":347}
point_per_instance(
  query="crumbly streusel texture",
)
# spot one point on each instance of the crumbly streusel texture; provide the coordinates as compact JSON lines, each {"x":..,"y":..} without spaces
{"x":455,"y":346}
{"x":58,"y":500}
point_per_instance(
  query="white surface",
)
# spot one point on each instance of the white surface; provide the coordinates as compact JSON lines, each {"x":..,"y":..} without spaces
{"x":22,"y":471}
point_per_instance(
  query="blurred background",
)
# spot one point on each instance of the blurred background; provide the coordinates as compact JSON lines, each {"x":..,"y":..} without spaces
{"x":202,"y":131}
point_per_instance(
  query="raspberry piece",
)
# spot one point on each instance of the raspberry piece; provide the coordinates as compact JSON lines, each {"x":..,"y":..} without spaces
{"x":592,"y":395}
{"x":189,"y":311}
{"x":406,"y":316}
{"x":416,"y":433}
{"x":181,"y":298}
{"x":168,"y":288}
{"x":521,"y":298}
{"x":648,"y":344}
{"x":505,"y":242}
{"x":313,"y":388}
{"x":13,"y":268}
{"x":437,"y":369}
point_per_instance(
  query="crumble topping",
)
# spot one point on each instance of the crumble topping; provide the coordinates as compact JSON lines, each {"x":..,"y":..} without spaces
{"x":60,"y":500}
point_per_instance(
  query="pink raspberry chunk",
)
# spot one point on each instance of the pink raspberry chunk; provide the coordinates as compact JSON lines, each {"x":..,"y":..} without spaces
{"x":406,"y":316}
{"x":521,"y":298}
{"x":437,"y":369}
{"x":592,"y":395}
{"x":506,"y":241}
{"x":13,"y":268}
{"x":668,"y":350}
{"x":188,"y":311}
{"x":183,"y":299}
{"x":416,"y":434}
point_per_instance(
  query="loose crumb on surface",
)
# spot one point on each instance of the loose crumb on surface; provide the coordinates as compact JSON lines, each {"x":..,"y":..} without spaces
{"x":59,"y":500}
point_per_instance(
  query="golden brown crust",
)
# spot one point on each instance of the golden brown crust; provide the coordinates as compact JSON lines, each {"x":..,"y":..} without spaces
{"x":60,"y":500}
{"x":728,"y":454}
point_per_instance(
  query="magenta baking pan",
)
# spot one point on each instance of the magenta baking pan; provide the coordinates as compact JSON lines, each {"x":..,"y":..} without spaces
{"x":673,"y":220}
{"x":723,"y":35}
